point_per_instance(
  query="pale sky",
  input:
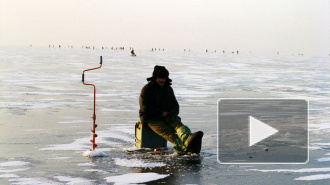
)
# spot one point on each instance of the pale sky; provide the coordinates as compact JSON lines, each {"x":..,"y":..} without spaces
{"x":259,"y":26}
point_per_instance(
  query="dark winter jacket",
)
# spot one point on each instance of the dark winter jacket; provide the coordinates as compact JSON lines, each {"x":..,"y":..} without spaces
{"x":154,"y":100}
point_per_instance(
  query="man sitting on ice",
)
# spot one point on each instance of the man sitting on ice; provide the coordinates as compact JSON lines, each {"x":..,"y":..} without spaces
{"x":159,"y":109}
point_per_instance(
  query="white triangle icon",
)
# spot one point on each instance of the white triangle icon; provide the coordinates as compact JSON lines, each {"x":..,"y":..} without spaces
{"x":259,"y":130}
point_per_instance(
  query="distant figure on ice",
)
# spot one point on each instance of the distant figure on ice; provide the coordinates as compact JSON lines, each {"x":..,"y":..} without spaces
{"x":159,"y":109}
{"x":132,"y":53}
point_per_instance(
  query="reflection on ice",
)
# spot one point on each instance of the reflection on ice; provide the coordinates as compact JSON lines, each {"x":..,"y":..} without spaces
{"x":314,"y":177}
{"x":38,"y":180}
{"x":116,"y":133}
{"x":323,"y":159}
{"x":136,"y":163}
{"x":131,"y":178}
{"x":14,"y":163}
{"x":74,"y":180}
{"x":303,"y":170}
{"x":3,"y":170}
{"x":9,"y":175}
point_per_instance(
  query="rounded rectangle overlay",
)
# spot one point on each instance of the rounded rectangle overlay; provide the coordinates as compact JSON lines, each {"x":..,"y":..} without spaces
{"x":262,"y":131}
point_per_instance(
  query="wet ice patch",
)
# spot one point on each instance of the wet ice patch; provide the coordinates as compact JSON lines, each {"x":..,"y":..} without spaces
{"x":191,"y":93}
{"x":323,"y":159}
{"x":2,"y":170}
{"x":126,"y":129}
{"x":60,"y":158}
{"x":322,"y":144}
{"x":32,"y":181}
{"x":134,"y":148}
{"x":10,"y":175}
{"x":74,"y":180}
{"x":319,"y":146}
{"x":95,"y":170}
{"x":78,"y":144}
{"x":131,"y":178}
{"x":75,"y":121}
{"x":315,"y":148}
{"x":136,"y":163}
{"x":115,"y":134}
{"x":314,"y":177}
{"x":103,"y":137}
{"x":86,"y":164}
{"x":52,"y":88}
{"x":304,"y":170}
{"x":32,"y":130}
{"x":117,"y":110}
{"x":246,"y":166}
{"x":320,"y":126}
{"x":14,"y":163}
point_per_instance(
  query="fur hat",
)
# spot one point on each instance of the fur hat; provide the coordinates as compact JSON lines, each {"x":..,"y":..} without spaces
{"x":160,"y":72}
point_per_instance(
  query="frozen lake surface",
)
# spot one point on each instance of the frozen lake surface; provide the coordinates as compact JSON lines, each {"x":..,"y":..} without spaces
{"x":45,"y":114}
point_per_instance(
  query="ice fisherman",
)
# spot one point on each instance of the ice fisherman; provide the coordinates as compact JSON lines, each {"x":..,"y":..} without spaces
{"x":132,"y":52}
{"x":159,"y":109}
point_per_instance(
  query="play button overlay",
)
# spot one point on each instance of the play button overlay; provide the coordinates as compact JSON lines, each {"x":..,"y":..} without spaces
{"x":262,"y":131}
{"x":259,"y":131}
